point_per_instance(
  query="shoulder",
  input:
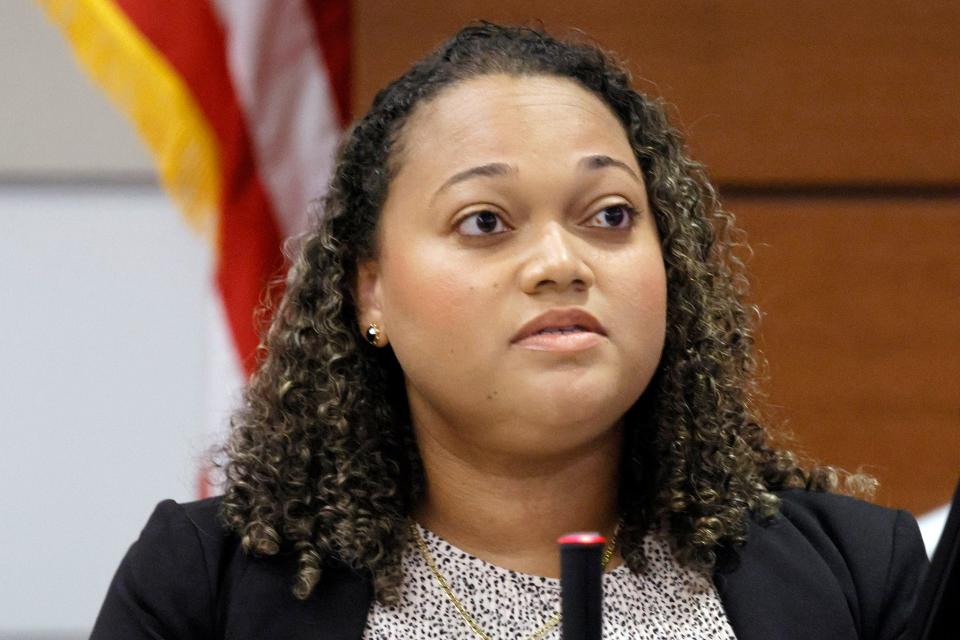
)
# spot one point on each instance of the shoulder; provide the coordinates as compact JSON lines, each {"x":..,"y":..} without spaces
{"x":168,"y":581}
{"x":199,"y":519}
{"x":187,"y":536}
{"x":854,"y":526}
{"x":873,"y":543}
{"x":187,"y":577}
{"x":870,"y":558}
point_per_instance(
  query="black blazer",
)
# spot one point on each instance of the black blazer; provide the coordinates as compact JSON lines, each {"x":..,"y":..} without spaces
{"x":828,"y":567}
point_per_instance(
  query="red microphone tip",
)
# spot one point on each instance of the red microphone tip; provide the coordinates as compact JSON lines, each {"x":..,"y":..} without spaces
{"x":582,"y":537}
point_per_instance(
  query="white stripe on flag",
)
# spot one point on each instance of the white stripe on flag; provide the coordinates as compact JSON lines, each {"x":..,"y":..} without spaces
{"x":285,"y":92}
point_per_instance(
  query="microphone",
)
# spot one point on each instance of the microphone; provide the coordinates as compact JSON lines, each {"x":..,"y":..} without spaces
{"x":581,"y":585}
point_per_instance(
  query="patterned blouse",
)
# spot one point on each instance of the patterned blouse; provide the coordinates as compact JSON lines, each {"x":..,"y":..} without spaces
{"x":665,"y":601}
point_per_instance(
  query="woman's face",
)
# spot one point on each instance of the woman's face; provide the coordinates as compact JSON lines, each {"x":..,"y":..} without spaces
{"x":516,"y":196}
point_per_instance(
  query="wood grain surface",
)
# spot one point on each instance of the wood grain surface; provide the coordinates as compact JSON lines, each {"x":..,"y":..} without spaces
{"x":792,"y":93}
{"x":861,"y":329}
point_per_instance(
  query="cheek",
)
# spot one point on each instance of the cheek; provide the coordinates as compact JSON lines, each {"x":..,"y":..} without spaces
{"x":434,"y":304}
{"x":640,"y":293}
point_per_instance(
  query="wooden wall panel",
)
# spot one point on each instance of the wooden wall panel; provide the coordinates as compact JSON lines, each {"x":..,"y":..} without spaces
{"x":770,"y":92}
{"x":862,"y":334}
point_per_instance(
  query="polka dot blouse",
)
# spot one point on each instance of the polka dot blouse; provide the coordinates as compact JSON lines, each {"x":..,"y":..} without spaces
{"x":667,"y":601}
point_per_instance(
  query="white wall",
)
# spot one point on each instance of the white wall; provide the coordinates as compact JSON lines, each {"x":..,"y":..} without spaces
{"x":101,"y":388}
{"x":104,"y":329}
{"x":53,"y":122}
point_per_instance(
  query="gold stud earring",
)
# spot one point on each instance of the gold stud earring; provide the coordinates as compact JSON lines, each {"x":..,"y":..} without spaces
{"x":373,"y":334}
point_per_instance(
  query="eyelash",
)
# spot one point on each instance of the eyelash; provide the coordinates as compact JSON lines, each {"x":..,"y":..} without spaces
{"x":631,"y":214}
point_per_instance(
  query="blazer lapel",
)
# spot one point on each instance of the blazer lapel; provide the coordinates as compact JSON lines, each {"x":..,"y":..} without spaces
{"x":262,"y":605}
{"x":778,"y":586}
{"x":343,"y":600}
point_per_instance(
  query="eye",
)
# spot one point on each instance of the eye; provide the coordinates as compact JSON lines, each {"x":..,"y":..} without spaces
{"x":617,"y":216}
{"x":481,"y":223}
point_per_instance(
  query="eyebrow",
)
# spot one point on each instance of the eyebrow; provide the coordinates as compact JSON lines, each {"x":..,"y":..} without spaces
{"x":499,"y":169}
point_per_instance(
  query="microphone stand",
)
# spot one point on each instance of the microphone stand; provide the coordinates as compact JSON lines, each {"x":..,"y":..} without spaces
{"x":581,"y":586}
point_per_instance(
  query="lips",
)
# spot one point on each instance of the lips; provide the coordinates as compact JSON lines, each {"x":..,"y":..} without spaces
{"x":556,"y":321}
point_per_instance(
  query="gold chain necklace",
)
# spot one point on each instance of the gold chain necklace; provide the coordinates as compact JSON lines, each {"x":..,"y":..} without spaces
{"x":540,"y":633}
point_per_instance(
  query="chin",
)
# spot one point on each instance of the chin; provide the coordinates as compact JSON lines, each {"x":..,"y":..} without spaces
{"x":556,"y":439}
{"x":576,"y":394}
{"x":561,"y":412}
{"x":584,"y":409}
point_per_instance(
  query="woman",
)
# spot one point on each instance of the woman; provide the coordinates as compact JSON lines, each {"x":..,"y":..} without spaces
{"x":518,"y":317}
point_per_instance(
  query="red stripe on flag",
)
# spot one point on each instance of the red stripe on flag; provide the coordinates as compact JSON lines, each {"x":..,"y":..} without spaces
{"x":250,"y":244}
{"x":332,"y":23}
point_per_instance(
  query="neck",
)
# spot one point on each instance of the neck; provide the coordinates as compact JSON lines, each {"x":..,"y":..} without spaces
{"x":510,"y":511}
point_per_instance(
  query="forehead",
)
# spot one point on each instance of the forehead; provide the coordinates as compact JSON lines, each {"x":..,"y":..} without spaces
{"x":501,"y":117}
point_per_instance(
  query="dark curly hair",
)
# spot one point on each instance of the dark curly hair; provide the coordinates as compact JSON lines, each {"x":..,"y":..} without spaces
{"x":321,"y":460}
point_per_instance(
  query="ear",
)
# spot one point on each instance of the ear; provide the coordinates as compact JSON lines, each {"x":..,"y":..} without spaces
{"x":369,"y":307}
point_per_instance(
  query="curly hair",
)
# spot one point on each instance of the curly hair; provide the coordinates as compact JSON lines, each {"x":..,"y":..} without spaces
{"x":322,"y":461}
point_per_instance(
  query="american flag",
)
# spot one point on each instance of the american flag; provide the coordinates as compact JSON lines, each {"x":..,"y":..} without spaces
{"x":242,"y":103}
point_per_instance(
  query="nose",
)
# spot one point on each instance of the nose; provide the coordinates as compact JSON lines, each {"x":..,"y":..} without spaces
{"x":554,"y":262}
